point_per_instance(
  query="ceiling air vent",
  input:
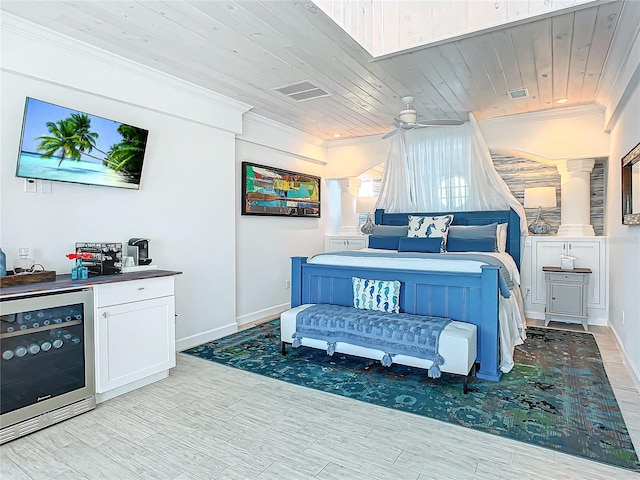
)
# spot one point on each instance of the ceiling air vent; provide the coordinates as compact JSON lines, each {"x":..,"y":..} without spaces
{"x":520,"y":93}
{"x":302,"y":91}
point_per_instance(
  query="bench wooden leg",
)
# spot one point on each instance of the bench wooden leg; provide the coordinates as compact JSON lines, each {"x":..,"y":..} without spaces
{"x":283,"y":348}
{"x":465,"y":382}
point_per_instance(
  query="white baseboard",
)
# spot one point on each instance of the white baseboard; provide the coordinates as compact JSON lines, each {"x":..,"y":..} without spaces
{"x":204,"y":337}
{"x":635,"y":373}
{"x":601,"y":322}
{"x":129,"y":387}
{"x":262,"y":314}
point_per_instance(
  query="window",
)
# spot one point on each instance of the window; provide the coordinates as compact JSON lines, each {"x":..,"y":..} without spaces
{"x":454,"y":191}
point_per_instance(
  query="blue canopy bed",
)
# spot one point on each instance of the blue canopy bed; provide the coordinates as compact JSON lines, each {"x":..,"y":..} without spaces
{"x":466,"y":296}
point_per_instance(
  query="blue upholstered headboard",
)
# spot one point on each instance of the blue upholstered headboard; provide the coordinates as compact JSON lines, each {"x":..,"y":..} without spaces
{"x":467,"y":218}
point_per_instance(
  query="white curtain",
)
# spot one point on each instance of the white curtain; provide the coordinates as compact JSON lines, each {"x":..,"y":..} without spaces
{"x":444,"y":169}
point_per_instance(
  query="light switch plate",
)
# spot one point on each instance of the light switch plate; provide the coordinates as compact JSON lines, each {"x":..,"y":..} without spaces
{"x":44,"y":186}
{"x":30,"y":185}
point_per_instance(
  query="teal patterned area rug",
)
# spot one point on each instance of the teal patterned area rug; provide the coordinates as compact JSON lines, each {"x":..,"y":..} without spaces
{"x":558,"y":395}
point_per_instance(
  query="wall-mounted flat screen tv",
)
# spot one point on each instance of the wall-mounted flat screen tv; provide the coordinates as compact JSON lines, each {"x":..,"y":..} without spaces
{"x":276,"y":192}
{"x":67,"y":145}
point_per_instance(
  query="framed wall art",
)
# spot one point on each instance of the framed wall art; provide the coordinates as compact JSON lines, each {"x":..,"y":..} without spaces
{"x":275,"y":192}
{"x":631,"y":187}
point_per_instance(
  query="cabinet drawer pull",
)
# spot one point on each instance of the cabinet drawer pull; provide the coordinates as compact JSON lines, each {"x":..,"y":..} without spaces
{"x":104,"y":314}
{"x":140,"y":288}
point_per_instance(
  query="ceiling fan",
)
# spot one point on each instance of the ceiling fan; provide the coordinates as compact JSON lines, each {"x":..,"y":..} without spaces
{"x":408,"y":120}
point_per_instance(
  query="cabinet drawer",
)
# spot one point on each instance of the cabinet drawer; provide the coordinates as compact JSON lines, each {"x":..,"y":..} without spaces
{"x":132,"y":291}
{"x":567,"y":277}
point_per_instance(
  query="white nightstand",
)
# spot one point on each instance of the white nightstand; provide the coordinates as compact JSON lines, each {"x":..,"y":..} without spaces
{"x":337,"y":243}
{"x":566,"y":294}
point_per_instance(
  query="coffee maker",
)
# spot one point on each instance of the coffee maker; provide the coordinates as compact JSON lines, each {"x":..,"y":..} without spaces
{"x":138,"y":248}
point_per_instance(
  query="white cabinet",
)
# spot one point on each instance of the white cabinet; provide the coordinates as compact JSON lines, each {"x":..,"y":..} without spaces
{"x":337,"y":243}
{"x":566,"y":294}
{"x":135,"y":331}
{"x":589,"y":252}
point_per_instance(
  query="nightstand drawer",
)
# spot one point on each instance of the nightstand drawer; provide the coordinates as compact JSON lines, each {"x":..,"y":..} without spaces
{"x":567,"y":277}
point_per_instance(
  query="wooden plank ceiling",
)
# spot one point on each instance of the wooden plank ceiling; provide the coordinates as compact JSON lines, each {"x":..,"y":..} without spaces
{"x":244,"y":49}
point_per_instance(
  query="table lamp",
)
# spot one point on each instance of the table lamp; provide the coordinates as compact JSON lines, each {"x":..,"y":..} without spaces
{"x":366,"y":205}
{"x":540,"y":197}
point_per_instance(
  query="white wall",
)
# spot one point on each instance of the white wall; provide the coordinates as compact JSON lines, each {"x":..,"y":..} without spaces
{"x":266,"y":244}
{"x":572,"y":132}
{"x":187,"y":200}
{"x":351,"y":157}
{"x":624,"y":241}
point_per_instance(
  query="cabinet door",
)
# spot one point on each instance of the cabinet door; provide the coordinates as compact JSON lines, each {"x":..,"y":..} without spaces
{"x":357,"y":243}
{"x":134,"y":340}
{"x":565,"y":299}
{"x":589,"y":255}
{"x":545,"y":252}
{"x":336,"y":245}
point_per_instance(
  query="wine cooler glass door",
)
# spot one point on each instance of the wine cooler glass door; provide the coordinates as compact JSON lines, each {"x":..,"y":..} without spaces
{"x":46,"y":343}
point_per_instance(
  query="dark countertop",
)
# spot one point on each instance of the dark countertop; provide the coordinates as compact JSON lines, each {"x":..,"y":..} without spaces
{"x":64,"y":282}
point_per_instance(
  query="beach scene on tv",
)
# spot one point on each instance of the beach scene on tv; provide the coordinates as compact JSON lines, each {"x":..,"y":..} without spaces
{"x":71,"y":146}
{"x":270,"y":191}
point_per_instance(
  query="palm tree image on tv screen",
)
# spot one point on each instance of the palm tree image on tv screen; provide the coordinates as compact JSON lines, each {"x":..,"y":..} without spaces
{"x":70,"y":146}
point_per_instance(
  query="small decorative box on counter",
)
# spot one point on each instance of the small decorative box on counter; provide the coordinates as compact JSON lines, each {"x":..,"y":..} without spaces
{"x":106,"y":258}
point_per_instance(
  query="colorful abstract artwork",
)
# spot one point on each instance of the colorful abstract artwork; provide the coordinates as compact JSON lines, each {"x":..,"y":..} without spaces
{"x":273,"y":191}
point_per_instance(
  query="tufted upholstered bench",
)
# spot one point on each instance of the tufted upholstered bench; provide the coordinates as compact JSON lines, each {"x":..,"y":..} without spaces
{"x":457,"y":346}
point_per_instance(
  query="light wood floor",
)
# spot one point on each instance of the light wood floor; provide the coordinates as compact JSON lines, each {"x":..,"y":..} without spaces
{"x":209,"y":421}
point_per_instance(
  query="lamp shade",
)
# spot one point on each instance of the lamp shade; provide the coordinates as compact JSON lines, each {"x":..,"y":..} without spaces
{"x":540,"y":197}
{"x":366,"y":204}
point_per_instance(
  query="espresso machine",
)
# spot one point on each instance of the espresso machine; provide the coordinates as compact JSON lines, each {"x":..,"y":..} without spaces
{"x":138,"y":248}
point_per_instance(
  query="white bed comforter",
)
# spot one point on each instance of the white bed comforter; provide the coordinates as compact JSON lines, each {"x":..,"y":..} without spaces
{"x":511,"y":310}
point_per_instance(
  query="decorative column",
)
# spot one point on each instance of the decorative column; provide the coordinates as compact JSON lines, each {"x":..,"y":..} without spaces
{"x":348,"y":194}
{"x":575,"y":194}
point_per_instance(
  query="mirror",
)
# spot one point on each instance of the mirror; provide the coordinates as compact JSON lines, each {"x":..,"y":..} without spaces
{"x":631,"y":187}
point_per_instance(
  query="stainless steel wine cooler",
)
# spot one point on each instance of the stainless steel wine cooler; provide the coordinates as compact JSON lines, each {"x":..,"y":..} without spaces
{"x":47,"y":362}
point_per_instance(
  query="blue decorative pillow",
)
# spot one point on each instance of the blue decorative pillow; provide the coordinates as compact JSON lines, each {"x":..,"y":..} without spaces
{"x":380,"y":295}
{"x":390,"y":230}
{"x":423,"y":245}
{"x":471,"y":244}
{"x":474,"y":232}
{"x":385,"y":243}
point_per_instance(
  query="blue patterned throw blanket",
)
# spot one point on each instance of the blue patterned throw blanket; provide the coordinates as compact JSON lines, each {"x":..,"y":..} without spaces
{"x":393,"y":333}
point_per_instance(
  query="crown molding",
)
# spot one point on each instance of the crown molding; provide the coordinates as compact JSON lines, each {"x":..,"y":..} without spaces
{"x":546,"y":115}
{"x":251,"y":118}
{"x":353,"y":141}
{"x":24,"y":28}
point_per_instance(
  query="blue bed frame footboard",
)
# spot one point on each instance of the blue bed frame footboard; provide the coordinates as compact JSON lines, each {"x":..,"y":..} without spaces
{"x":466,"y":297}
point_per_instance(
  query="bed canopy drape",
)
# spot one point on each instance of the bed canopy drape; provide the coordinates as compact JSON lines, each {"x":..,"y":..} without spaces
{"x":444,"y":169}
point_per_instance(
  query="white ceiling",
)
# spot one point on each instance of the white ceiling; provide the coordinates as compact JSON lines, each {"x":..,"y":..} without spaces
{"x":244,"y":49}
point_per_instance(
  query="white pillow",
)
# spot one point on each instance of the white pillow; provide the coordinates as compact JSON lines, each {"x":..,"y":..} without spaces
{"x":429,"y":227}
{"x":502,"y":237}
{"x":381,"y":295}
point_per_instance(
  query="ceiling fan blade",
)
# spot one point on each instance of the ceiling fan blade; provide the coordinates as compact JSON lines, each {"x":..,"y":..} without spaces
{"x":438,"y":123}
{"x":390,"y":134}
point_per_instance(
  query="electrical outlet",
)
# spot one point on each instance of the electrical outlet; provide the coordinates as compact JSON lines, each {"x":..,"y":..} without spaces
{"x":287,"y":284}
{"x":30,"y":185}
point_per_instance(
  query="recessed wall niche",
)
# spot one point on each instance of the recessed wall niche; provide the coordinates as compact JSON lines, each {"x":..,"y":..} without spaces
{"x":520,"y":173}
